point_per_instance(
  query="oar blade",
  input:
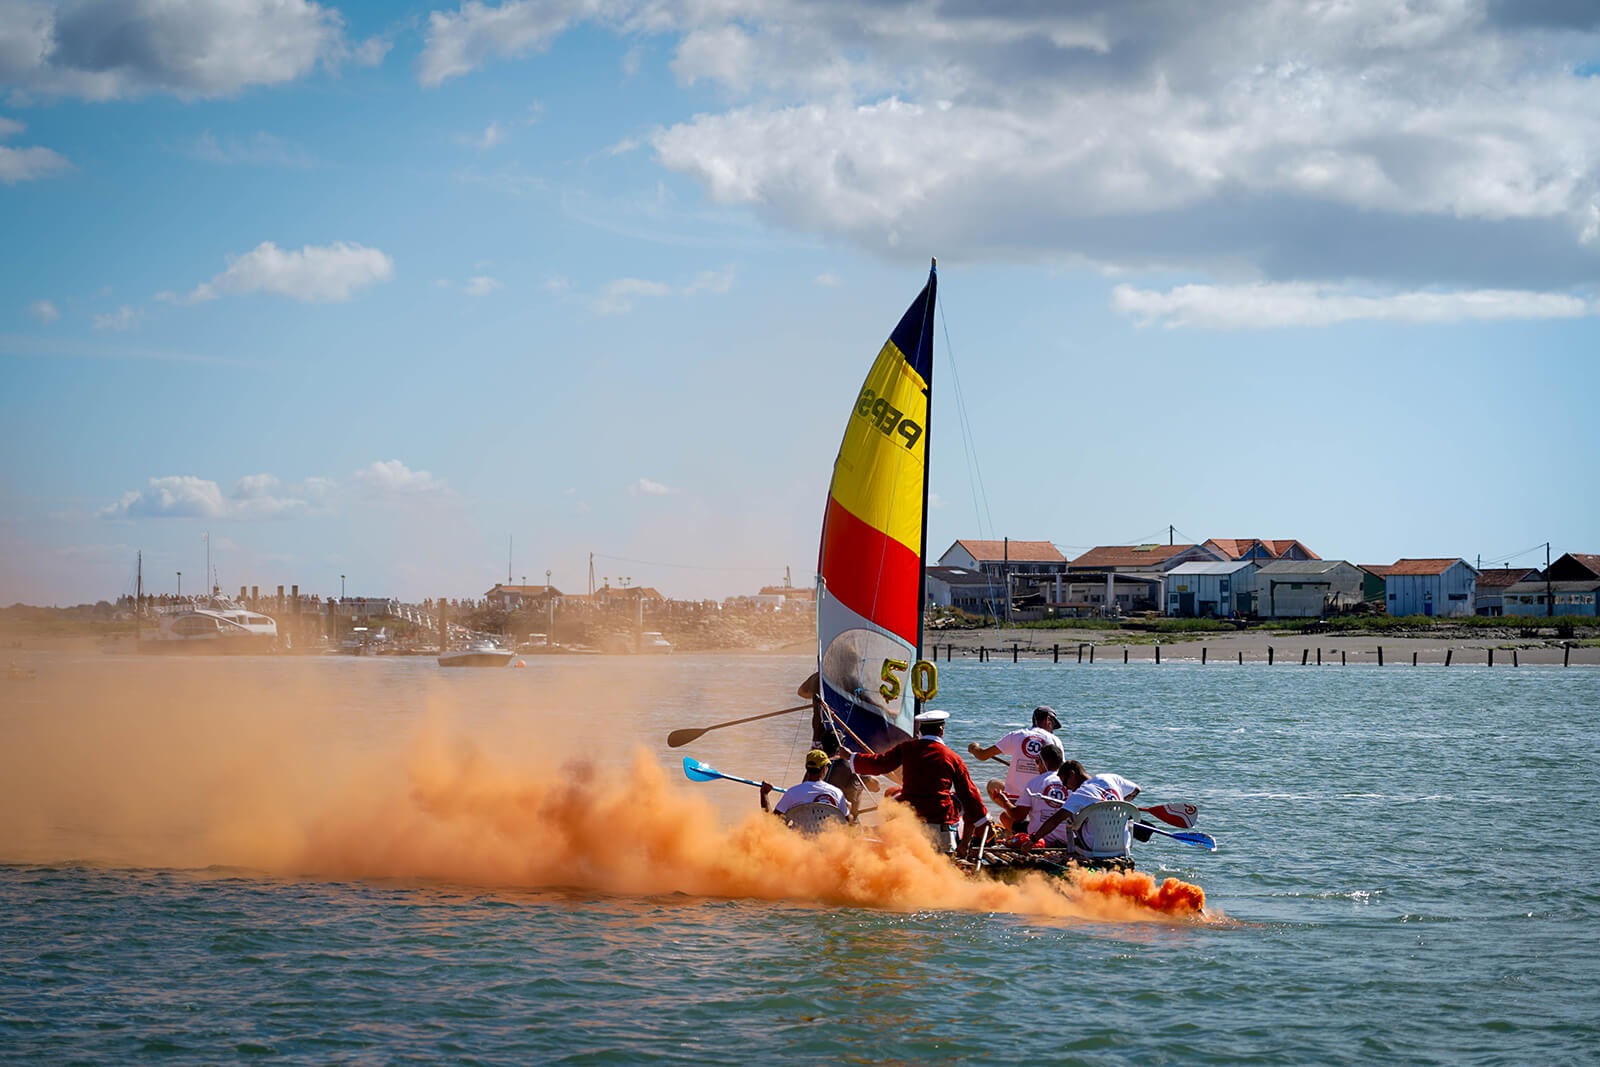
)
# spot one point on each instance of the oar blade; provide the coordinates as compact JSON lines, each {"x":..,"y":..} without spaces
{"x":1182,"y":816}
{"x":1195,"y":837}
{"x":679,"y":738}
{"x":696,"y":771}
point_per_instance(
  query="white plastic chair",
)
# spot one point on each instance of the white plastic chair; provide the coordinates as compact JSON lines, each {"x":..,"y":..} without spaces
{"x":1103,"y":830}
{"x":813,"y":818}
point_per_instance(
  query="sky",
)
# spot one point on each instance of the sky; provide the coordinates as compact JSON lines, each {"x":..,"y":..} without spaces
{"x":403,"y":298}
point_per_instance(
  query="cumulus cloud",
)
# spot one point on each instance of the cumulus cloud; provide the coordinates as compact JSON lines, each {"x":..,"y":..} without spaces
{"x":314,"y":274}
{"x":265,"y":496}
{"x":1300,"y":304}
{"x":25,"y":164}
{"x":645,"y":487}
{"x":189,"y":497}
{"x":107,"y":49}
{"x":617,"y":297}
{"x":44,"y":310}
{"x":460,"y":41}
{"x":481,"y":285}
{"x":394,"y":478}
{"x":123,"y":319}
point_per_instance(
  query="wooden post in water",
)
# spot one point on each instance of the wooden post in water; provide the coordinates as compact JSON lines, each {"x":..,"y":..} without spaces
{"x":1319,"y":657}
{"x":1413,"y":659}
{"x":1305,"y":654}
{"x":1158,"y":651}
{"x":1514,"y":657}
{"x":1013,"y":653}
{"x":1080,"y":651}
{"x":1202,"y":655}
{"x":1491,"y":657}
{"x":1447,"y":654}
{"x":1055,"y":653}
{"x":1124,"y":653}
{"x":1566,"y":654}
{"x":1091,"y":652}
{"x":1269,"y":655}
{"x":1342,"y":661}
{"x":1380,"y":655}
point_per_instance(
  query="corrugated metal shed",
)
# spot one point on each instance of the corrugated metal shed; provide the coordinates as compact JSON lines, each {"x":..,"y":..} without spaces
{"x":1434,"y":586}
{"x":1306,"y":589}
{"x":1197,"y":589}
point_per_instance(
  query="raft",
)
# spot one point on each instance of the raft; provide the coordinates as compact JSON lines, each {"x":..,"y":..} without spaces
{"x":1009,"y":864}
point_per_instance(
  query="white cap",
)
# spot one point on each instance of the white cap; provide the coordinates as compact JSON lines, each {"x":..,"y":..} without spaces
{"x":932,"y":716}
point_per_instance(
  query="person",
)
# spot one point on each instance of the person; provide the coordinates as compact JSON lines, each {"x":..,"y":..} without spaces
{"x":1034,"y":807}
{"x":935,"y":781}
{"x":1023,"y":746}
{"x":839,"y":774}
{"x":811,"y":790}
{"x":811,"y":689}
{"x":1082,"y":790}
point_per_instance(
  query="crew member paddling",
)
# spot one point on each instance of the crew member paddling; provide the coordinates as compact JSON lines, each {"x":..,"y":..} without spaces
{"x":1024,"y":747}
{"x":935,"y":780}
{"x":812,"y":790}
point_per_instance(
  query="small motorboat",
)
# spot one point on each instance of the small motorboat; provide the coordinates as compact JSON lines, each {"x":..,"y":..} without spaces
{"x":478,"y":653}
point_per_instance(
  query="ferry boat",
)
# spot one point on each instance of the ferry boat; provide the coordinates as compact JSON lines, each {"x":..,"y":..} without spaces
{"x":214,"y":626}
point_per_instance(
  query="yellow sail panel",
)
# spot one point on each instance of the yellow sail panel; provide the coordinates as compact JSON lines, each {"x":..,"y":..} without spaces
{"x":879,"y":474}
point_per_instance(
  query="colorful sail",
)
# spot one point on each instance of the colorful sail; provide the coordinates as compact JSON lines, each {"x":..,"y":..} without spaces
{"x":870,"y":570}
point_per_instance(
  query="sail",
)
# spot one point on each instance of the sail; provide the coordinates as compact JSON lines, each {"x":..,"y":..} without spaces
{"x":869,"y":572}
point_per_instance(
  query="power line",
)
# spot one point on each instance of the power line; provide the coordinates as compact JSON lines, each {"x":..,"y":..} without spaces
{"x":684,"y":566}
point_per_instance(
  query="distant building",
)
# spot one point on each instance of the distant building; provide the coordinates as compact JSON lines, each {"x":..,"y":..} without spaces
{"x":1488,"y":598}
{"x":971,"y":591}
{"x":1258,"y":549}
{"x":1307,"y":588}
{"x":1372,"y":584}
{"x":999,"y":558}
{"x":1210,"y":590}
{"x":1575,"y":567}
{"x":1126,"y":578}
{"x":1434,"y":587}
{"x":368,"y":606}
{"x":516,"y":597}
{"x":1539,"y":597}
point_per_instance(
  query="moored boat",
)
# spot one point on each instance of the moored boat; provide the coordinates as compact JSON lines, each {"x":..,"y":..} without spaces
{"x":478,"y":653}
{"x":214,"y":626}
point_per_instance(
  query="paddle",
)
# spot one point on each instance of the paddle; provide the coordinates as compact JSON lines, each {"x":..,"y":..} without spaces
{"x":1183,"y":815}
{"x":679,"y":738}
{"x":696,"y":771}
{"x":1188,"y":837}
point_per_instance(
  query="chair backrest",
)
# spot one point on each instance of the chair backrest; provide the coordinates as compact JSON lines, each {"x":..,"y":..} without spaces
{"x":1104,"y":829}
{"x":813,"y":818}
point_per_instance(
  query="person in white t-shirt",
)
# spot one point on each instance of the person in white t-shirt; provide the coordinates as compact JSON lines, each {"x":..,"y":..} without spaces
{"x":1082,"y":790}
{"x":1041,"y":795}
{"x":1024,"y":747}
{"x":811,"y":790}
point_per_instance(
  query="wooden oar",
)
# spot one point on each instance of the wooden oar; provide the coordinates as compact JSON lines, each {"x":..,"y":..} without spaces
{"x":1183,"y":815}
{"x":679,"y":738}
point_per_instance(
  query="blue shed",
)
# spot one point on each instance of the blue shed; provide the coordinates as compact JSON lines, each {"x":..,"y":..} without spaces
{"x":1439,"y":587}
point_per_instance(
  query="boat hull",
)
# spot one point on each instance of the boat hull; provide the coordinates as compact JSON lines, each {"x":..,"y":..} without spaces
{"x":212,"y":646}
{"x":476,"y":659}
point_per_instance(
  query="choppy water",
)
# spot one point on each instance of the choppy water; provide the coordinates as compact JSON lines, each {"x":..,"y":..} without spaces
{"x":1408,"y":859}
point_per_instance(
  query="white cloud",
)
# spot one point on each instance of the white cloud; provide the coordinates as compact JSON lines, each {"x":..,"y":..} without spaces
{"x":1300,"y":304}
{"x":491,"y":136}
{"x":394,"y":478}
{"x":264,"y":496}
{"x":25,"y":164}
{"x":710,"y":281}
{"x":123,"y":319}
{"x":106,"y":49}
{"x":44,"y":310}
{"x":829,"y":280}
{"x":458,"y":42}
{"x":618,"y":296}
{"x":370,"y":53}
{"x":315,"y":274}
{"x":186,"y":496}
{"x":482,"y":285}
{"x":645,"y":487}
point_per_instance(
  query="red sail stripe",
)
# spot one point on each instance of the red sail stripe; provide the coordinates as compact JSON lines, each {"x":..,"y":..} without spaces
{"x":870,"y":572}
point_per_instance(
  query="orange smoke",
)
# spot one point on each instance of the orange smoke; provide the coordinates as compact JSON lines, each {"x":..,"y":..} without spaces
{"x":368,"y":771}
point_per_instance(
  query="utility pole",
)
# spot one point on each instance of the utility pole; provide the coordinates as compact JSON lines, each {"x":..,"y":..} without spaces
{"x":509,"y":540}
{"x":1170,"y":531}
{"x":1549,"y":596}
{"x":591,"y":574}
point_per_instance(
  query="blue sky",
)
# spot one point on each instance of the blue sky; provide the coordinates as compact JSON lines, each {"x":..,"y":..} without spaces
{"x":370,"y":289}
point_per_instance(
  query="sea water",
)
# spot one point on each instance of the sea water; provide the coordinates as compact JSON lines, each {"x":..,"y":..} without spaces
{"x":1406,"y":873}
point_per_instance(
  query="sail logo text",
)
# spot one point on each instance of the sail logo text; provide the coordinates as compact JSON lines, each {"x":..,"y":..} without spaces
{"x":887,"y":418}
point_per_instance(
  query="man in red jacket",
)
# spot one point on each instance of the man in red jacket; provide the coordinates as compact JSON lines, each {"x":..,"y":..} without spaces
{"x":935,"y":780}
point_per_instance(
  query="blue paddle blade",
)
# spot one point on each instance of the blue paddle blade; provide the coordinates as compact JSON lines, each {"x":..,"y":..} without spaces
{"x":696,"y":771}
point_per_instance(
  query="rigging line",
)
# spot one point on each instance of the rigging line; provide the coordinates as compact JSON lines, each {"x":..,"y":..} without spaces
{"x":974,"y":468}
{"x":683,"y":566}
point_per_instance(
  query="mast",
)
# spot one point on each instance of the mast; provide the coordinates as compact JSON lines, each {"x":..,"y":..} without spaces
{"x":927,"y":466}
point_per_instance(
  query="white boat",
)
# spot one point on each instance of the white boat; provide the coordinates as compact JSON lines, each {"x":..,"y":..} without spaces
{"x":651,"y":641}
{"x":478,"y":653}
{"x":217,"y":625}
